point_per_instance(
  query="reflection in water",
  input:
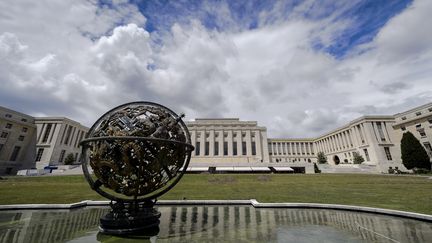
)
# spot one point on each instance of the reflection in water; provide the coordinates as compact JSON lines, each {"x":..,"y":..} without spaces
{"x":218,"y":224}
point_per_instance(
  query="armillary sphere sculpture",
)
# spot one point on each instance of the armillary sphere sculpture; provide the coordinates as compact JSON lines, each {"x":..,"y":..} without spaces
{"x":138,"y":151}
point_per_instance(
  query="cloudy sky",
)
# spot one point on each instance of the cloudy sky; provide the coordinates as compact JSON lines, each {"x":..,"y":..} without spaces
{"x":300,"y":68}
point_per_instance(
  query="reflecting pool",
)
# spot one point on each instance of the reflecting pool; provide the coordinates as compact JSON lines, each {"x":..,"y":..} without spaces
{"x":218,"y":224}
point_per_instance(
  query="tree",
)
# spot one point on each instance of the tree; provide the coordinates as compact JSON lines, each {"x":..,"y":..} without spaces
{"x":69,"y":159}
{"x":358,"y":159}
{"x":413,"y":153}
{"x":322,"y":159}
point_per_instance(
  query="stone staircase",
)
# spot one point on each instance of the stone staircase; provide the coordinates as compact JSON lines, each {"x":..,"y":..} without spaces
{"x":348,"y":168}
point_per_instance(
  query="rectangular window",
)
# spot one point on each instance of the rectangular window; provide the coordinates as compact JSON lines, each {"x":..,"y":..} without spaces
{"x":216,"y":148}
{"x":39,"y":154}
{"x":430,"y":121}
{"x":387,"y":152}
{"x":403,"y":118}
{"x":225,"y":148}
{"x":21,"y":138}
{"x":418,"y":113}
{"x":24,"y":120}
{"x":380,"y":131}
{"x":8,"y":115}
{"x":47,"y":132}
{"x":244,"y":148}
{"x":8,"y":126}
{"x":234,"y":148}
{"x":15,"y":153}
{"x":24,"y":129}
{"x":68,"y":135}
{"x":206,"y":148}
{"x":4,"y":135}
{"x":253,"y":148}
{"x":418,"y":126}
{"x":422,"y":133}
{"x":366,"y":154}
{"x":197,"y":149}
{"x":62,"y":154}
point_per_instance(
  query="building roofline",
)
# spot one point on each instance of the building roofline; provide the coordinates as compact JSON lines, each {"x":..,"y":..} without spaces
{"x":413,"y":110}
{"x":57,"y":118}
{"x":16,"y":112}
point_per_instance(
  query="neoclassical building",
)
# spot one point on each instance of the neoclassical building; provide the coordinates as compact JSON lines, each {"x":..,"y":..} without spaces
{"x":17,"y":141}
{"x":56,"y":138}
{"x":231,"y":142}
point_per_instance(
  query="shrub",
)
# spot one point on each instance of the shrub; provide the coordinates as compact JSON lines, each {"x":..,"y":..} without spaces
{"x":358,"y":159}
{"x":70,"y":159}
{"x":413,"y":153}
{"x":321,"y":158}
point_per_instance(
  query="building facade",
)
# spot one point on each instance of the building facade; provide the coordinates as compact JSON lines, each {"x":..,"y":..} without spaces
{"x":17,"y":141}
{"x":228,"y":140}
{"x":419,"y":122}
{"x":57,"y":137}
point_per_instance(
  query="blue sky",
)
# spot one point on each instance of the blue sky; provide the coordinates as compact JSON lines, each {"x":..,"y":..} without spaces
{"x":300,"y":68}
{"x":367,"y":17}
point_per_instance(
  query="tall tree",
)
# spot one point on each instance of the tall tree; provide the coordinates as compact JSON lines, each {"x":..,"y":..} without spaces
{"x":413,"y":153}
{"x":358,"y":159}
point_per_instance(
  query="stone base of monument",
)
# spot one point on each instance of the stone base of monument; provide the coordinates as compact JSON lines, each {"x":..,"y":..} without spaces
{"x":140,"y":221}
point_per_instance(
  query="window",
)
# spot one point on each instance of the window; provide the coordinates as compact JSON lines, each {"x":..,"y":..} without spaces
{"x":197,"y":149}
{"x":39,"y":154}
{"x":422,"y":133}
{"x":403,"y":118}
{"x":24,"y":120}
{"x":21,"y":138}
{"x":430,"y":121}
{"x":380,"y":131}
{"x":216,"y":148}
{"x":68,"y":135}
{"x":387,"y":152}
{"x":47,"y":132}
{"x":366,"y":154}
{"x":234,"y":148}
{"x":8,"y":126}
{"x":8,"y":115}
{"x":62,"y":154}
{"x":225,"y":148}
{"x":206,"y":148}
{"x":418,"y":125}
{"x":430,"y":109}
{"x":24,"y":129}
{"x":244,"y":148}
{"x":1,"y":146}
{"x":4,"y":135}
{"x":253,"y":148}
{"x":15,"y":153}
{"x":403,"y":128}
{"x":418,"y":113}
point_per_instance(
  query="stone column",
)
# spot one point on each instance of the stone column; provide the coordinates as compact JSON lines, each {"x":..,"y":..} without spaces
{"x":264,"y":145}
{"x":211,"y":143}
{"x":221,"y":142}
{"x":248,"y":143}
{"x":193,"y":139}
{"x":230,"y":143}
{"x":239,"y":143}
{"x":202,"y":143}
{"x":258,"y":145}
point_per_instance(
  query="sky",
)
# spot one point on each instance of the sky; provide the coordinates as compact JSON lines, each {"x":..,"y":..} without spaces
{"x":299,"y":68}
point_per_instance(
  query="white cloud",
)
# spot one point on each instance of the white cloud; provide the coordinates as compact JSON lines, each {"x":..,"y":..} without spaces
{"x":73,"y":60}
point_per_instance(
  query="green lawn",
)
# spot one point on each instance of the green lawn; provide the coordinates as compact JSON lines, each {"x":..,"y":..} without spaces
{"x":408,"y":193}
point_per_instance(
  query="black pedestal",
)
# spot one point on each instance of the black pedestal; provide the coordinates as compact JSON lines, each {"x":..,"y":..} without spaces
{"x":135,"y":219}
